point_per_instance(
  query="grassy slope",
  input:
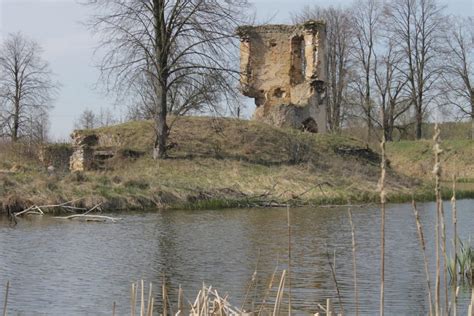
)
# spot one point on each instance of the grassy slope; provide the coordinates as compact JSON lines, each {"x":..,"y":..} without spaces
{"x":215,"y":163}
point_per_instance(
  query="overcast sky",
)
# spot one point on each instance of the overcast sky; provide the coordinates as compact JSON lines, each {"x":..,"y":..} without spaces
{"x":68,"y":46}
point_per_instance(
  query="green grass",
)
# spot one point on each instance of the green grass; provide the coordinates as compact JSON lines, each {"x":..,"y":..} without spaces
{"x":415,"y":158}
{"x":449,"y":131}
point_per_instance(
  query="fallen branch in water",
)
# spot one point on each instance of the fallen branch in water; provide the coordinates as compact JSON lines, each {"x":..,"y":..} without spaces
{"x":32,"y":210}
{"x":92,"y":218}
{"x":38,"y":209}
{"x":92,"y":209}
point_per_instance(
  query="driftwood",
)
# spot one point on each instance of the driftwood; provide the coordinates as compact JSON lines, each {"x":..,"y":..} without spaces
{"x":32,"y":210}
{"x":90,"y":218}
{"x":37,"y":210}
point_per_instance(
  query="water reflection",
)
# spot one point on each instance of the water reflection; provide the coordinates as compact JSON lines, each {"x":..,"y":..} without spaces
{"x":67,"y":268}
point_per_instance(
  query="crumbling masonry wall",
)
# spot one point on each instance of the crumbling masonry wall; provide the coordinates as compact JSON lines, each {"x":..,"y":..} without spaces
{"x":283,"y":67}
{"x":91,"y":150}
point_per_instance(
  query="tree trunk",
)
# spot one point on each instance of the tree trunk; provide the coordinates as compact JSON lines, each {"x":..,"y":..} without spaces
{"x":472,"y":126}
{"x":16,"y":121}
{"x":472,"y":113}
{"x":161,"y":127}
{"x":386,"y":126}
{"x":367,"y":99}
{"x":418,"y":123}
{"x":369,"y":123}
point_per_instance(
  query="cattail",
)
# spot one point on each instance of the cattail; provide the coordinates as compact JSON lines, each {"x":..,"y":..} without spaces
{"x":437,"y":174}
{"x":383,"y":200}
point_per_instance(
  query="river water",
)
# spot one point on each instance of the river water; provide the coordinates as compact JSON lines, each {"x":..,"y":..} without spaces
{"x":71,"y":268}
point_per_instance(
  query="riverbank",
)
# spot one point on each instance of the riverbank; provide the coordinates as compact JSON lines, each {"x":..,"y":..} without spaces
{"x":217,"y":163}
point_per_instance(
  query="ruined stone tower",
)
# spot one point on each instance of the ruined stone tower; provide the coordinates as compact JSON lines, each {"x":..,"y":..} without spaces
{"x":283,"y":67}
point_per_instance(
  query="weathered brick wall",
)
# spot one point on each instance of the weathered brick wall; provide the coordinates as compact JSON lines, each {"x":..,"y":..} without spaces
{"x":283,"y":67}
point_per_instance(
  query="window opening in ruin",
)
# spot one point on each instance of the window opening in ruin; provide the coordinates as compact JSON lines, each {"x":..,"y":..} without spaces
{"x":303,"y":58}
{"x":298,"y":67}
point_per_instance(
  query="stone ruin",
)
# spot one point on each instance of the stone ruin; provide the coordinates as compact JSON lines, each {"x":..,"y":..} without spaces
{"x":284,"y":68}
{"x":91,"y":151}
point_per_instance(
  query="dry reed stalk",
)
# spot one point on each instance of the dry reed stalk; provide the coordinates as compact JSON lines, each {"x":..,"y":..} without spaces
{"x":253,"y":281}
{"x":267,"y":291}
{"x":383,"y":200}
{"x":329,"y":307}
{"x":7,"y":288}
{"x":289,"y":259}
{"x":471,"y":305}
{"x":133,"y":299}
{"x":333,"y":272}
{"x":149,"y":308}
{"x":180,"y":300}
{"x":354,"y":265}
{"x":455,"y":245}
{"x":445,"y":259}
{"x":423,"y":248}
{"x":152,"y":306}
{"x":165,"y":297}
{"x":437,"y":173}
{"x":113,"y":309}
{"x":142,"y":300}
{"x":279,"y":297}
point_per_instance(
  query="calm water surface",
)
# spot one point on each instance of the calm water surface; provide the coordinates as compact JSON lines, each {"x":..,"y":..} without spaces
{"x":69,"y":268}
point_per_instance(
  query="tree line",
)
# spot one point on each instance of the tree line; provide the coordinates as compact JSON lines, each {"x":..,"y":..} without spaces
{"x":396,"y":63}
{"x":391,"y":65}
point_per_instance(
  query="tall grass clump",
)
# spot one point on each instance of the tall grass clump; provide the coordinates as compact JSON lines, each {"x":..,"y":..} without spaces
{"x":461,"y":265}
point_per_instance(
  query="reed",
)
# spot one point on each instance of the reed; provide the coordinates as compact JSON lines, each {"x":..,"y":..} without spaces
{"x":252,"y":283}
{"x":7,"y":288}
{"x":180,"y":300}
{"x":383,"y":201}
{"x":148,"y":311}
{"x":465,"y":260}
{"x":334,"y":277}
{"x":164,"y":292}
{"x":354,"y":265}
{"x":471,"y":305}
{"x":268,"y":289}
{"x":423,"y":249}
{"x":455,"y":245}
{"x":437,"y":173}
{"x":279,"y":296}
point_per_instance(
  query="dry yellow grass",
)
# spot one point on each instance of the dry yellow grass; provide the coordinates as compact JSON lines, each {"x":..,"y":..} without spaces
{"x":216,"y":163}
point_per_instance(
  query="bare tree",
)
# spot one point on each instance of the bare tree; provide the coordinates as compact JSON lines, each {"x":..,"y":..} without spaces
{"x":106,"y":117}
{"x":458,"y":76}
{"x":37,"y":127}
{"x":390,"y":87}
{"x":87,"y":120}
{"x":339,"y":32}
{"x":366,"y":23}
{"x":416,"y":26}
{"x":173,"y":54}
{"x":26,"y":86}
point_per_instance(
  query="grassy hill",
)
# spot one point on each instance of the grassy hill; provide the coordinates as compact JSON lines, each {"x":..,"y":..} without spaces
{"x":223,"y":163}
